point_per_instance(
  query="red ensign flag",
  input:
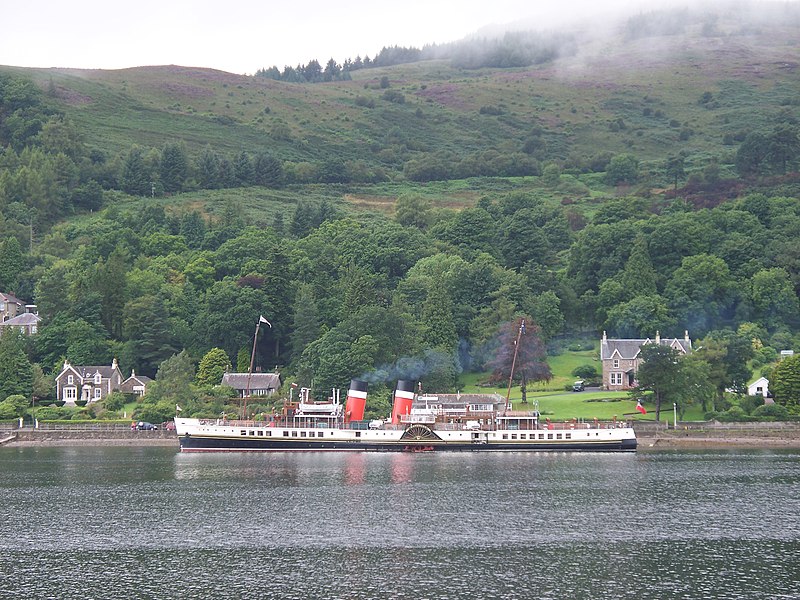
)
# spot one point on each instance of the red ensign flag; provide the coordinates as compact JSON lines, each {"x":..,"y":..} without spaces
{"x":641,"y":408}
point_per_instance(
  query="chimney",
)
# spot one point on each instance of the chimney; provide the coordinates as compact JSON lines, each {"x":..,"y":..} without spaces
{"x":686,"y":336}
{"x":403,"y":400}
{"x":356,"y":401}
{"x":605,"y":339}
{"x":658,"y":337}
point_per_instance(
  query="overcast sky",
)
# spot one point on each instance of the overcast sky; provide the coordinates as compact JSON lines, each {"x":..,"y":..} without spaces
{"x":242,"y":36}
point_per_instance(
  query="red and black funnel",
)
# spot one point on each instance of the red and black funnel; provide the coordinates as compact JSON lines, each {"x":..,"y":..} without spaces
{"x":356,"y":401}
{"x":403,"y":400}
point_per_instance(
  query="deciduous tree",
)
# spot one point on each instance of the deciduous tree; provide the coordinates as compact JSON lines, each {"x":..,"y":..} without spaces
{"x":521,"y":349}
{"x":784,"y":383}
{"x":214,"y":364}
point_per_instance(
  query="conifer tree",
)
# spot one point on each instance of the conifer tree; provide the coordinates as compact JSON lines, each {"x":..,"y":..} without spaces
{"x":639,"y":276}
{"x":16,"y":371}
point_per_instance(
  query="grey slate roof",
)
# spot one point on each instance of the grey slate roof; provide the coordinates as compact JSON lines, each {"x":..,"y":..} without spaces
{"x":23,"y":320}
{"x":11,"y":298}
{"x":88,"y":371}
{"x":629,"y":348}
{"x":133,"y":380}
{"x":258,"y":381}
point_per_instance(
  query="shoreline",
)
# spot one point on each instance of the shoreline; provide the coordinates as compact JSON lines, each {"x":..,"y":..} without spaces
{"x":654,"y":444}
{"x":646,"y":443}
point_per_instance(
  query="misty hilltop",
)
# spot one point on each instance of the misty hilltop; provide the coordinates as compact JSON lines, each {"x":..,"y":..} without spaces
{"x":689,"y":81}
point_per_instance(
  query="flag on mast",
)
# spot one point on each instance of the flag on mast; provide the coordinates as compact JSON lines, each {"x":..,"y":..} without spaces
{"x":640,"y":408}
{"x":178,"y":408}
{"x":261,"y":319}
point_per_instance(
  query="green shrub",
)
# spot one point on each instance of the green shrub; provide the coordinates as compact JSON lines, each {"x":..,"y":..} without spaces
{"x":585,"y":372}
{"x":772,"y":411}
{"x":115,"y":401}
{"x":13,"y":406}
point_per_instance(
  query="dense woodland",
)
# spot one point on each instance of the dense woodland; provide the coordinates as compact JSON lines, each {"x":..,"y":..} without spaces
{"x":578,"y":244}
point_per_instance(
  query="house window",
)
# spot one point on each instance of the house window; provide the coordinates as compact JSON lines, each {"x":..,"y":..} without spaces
{"x":616,"y":378}
{"x":70,"y":379}
{"x":70,"y":393}
{"x":98,"y":379}
{"x":616,"y":363}
{"x":97,"y":393}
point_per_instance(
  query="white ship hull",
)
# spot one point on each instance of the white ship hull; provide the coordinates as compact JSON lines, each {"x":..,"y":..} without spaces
{"x":203,"y":435}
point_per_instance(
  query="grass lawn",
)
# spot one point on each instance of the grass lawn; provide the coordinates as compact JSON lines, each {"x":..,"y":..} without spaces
{"x":559,"y":405}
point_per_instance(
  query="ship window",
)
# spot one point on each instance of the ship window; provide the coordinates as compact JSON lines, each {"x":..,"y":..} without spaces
{"x":505,"y":436}
{"x":549,"y":436}
{"x":320,"y":433}
{"x":358,"y":434}
{"x":522,"y":436}
{"x":285,"y":434}
{"x":568,"y":436}
{"x":252,"y":432}
{"x":294,"y":434}
{"x":269,"y":434}
{"x":302,"y":434}
{"x":513,"y":436}
{"x":558,"y":436}
{"x":541,"y":436}
{"x":261,"y":433}
{"x":243,"y":432}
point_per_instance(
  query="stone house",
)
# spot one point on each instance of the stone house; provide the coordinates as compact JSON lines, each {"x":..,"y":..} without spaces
{"x":135,"y":384}
{"x":10,"y":306}
{"x":27,"y":323}
{"x":620,"y":358}
{"x":87,"y":383}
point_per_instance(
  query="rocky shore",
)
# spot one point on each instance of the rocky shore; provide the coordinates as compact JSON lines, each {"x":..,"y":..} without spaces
{"x":702,"y":441}
{"x":54,"y":437}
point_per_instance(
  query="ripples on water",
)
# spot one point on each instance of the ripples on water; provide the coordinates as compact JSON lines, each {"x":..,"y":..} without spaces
{"x":152,"y":523}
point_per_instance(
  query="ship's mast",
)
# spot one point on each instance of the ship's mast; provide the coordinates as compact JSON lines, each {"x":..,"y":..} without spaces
{"x":261,"y":319}
{"x":514,"y":360}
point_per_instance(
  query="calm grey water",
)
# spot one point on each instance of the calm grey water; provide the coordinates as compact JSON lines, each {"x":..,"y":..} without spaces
{"x":154,"y":523}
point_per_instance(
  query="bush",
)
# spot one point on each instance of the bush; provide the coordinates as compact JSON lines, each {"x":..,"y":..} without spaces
{"x":580,"y":346}
{"x":13,"y":406}
{"x":772,"y":411}
{"x":50,"y":413}
{"x":585,"y":372}
{"x":394,"y":96}
{"x":735,"y":414}
{"x":115,"y":401}
{"x":365,"y":102}
{"x":749,"y":403}
{"x":490,"y":110}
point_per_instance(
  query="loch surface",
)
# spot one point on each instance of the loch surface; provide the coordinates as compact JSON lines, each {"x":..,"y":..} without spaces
{"x":145,"y":522}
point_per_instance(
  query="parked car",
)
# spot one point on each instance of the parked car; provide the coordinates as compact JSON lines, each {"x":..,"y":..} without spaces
{"x":145,"y":426}
{"x":578,"y":386}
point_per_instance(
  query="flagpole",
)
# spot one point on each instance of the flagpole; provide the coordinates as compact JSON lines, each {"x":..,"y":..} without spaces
{"x":250,"y":372}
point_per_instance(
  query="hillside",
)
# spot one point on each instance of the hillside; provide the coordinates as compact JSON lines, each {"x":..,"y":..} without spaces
{"x":392,"y":223}
{"x":613,"y":94}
